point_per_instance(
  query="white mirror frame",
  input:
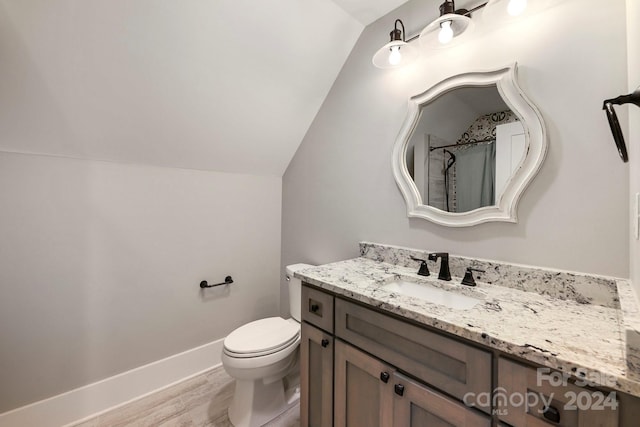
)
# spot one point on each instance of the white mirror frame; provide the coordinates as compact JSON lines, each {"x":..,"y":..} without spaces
{"x":535,"y":143}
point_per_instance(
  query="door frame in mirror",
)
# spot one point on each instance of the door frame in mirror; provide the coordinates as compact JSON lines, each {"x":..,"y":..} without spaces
{"x":535,"y":148}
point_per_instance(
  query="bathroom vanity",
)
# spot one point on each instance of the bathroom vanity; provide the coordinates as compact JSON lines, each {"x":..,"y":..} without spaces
{"x":374,"y":355}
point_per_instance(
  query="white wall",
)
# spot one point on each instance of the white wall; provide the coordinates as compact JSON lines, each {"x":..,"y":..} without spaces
{"x":100,"y":262}
{"x":100,"y":265}
{"x":339,"y":188}
{"x":225,"y":85}
{"x":633,"y":139}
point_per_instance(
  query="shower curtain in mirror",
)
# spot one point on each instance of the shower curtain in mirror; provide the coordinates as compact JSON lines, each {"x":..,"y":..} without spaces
{"x":475,"y":177}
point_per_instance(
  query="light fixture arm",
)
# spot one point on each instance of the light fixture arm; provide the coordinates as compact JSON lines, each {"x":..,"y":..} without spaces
{"x":450,"y":7}
{"x":397,"y":34}
{"x":468,"y":12}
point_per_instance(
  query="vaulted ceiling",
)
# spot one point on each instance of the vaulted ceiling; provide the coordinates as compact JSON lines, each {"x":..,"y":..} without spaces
{"x":224,"y":85}
{"x":367,"y":11}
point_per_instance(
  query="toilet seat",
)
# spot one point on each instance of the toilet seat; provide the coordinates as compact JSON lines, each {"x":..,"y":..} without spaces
{"x":262,"y":337}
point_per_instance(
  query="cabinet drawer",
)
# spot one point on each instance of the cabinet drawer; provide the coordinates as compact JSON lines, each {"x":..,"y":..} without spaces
{"x":527,"y":395}
{"x":442,"y":362}
{"x":416,"y":405}
{"x":317,"y":308}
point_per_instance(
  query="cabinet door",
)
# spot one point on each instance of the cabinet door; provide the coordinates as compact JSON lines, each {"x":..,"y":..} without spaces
{"x":362,"y":389}
{"x":531,"y":399}
{"x":416,"y":405}
{"x":316,"y":378}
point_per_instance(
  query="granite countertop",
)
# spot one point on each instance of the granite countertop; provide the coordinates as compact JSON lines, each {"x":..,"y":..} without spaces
{"x":571,"y":334}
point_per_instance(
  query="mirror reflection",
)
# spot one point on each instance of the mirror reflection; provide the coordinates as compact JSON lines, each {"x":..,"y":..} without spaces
{"x":465,"y":148}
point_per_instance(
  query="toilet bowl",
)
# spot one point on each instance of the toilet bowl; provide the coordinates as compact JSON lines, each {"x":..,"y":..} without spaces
{"x":262,"y":356}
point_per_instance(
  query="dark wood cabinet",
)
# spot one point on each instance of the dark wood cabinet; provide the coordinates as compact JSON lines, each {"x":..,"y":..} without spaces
{"x":363,"y":368}
{"x":346,"y":386}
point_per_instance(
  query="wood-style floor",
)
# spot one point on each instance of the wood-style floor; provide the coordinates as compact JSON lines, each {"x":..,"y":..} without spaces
{"x":199,"y":401}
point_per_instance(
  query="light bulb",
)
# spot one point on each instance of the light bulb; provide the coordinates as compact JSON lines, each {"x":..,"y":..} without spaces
{"x":395,"y":57}
{"x":516,"y":7}
{"x":446,"y":32}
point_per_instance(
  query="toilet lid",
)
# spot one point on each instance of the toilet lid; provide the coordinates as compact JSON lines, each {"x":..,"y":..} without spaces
{"x":262,"y":336}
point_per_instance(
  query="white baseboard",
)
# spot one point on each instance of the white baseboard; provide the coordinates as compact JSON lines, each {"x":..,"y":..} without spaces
{"x":101,"y":396}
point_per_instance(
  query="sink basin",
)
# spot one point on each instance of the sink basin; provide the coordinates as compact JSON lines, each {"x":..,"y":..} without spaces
{"x":431,"y":294}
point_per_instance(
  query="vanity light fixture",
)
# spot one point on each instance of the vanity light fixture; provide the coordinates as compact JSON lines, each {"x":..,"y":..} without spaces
{"x":440,"y":33}
{"x":397,"y":52}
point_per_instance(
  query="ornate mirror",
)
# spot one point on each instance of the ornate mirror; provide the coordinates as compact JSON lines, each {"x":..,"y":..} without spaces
{"x":468,"y":148}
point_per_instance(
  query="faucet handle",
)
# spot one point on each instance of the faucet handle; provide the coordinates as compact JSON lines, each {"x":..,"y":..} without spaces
{"x":424,"y":269}
{"x":468,"y":276}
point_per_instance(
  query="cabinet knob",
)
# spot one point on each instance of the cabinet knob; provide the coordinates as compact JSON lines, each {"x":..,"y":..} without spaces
{"x":552,"y":414}
{"x":384,"y":376}
{"x":315,"y":308}
{"x":324,"y":342}
{"x":399,"y":389}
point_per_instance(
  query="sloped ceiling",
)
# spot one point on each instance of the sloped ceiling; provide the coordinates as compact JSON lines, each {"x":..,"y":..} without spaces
{"x":224,"y":85}
{"x":367,"y":11}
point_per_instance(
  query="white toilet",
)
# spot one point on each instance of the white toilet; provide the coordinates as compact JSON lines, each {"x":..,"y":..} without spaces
{"x":262,"y":356}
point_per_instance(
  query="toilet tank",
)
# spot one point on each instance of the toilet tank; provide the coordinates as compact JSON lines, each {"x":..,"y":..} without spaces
{"x":295,"y":289}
